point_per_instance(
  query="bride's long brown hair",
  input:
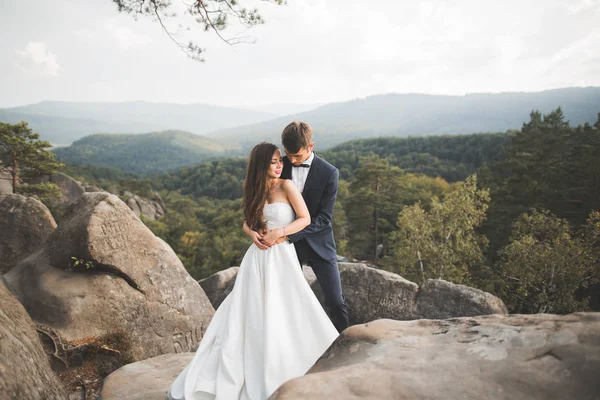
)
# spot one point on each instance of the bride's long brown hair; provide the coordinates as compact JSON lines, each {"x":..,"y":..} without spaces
{"x":255,"y":186}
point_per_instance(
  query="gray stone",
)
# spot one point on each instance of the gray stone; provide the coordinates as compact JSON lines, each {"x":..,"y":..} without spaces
{"x":70,"y":189}
{"x":25,"y":224}
{"x":488,"y":357}
{"x":5,"y":182}
{"x":142,"y":206}
{"x":373,"y":293}
{"x":439,"y":299}
{"x":218,"y":286}
{"x":145,"y":380}
{"x":24,"y":369}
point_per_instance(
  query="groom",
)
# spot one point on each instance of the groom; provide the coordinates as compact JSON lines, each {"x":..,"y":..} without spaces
{"x":318,"y":182}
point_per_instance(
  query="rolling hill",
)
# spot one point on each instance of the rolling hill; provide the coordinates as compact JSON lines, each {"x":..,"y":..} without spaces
{"x":147,"y":154}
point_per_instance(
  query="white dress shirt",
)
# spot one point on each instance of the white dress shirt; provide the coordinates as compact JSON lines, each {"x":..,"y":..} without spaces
{"x":299,"y":174}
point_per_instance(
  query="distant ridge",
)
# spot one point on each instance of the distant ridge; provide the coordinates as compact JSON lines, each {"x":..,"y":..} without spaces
{"x":390,"y":114}
{"x":62,"y":122}
{"x":422,"y":114}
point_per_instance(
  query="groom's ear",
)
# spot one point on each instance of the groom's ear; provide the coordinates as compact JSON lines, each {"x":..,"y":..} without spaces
{"x":311,"y":146}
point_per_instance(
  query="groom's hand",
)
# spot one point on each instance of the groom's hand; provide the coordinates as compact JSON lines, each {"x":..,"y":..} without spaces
{"x":271,"y":237}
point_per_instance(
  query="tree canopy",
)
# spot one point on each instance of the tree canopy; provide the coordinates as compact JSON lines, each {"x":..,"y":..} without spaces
{"x":212,"y":15}
{"x":26,"y":158}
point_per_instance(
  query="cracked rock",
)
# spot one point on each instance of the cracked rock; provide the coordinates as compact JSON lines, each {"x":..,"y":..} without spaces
{"x":102,"y":272}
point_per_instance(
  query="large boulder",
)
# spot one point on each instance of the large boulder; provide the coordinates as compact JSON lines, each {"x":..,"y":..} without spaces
{"x":103,"y":278}
{"x":141,"y":206}
{"x":5,"y":182}
{"x":25,"y":224}
{"x":70,"y":189}
{"x":145,"y":380}
{"x":439,"y":299}
{"x":488,"y":357}
{"x":372,"y":293}
{"x":219,"y":285}
{"x":24,"y":369}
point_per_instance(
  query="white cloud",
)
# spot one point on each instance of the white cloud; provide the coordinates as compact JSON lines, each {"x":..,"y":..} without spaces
{"x":38,"y":61}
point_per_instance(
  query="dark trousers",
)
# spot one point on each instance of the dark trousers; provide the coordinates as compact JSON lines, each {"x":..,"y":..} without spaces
{"x":328,"y":275}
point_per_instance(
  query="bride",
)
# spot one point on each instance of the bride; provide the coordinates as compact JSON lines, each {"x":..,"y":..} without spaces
{"x":271,"y":327}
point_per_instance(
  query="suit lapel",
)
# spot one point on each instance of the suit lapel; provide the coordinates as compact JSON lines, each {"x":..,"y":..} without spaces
{"x":287,"y":169}
{"x":312,"y":172}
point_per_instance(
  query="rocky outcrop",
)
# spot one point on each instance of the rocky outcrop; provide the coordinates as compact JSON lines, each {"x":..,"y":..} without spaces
{"x":103,"y":277}
{"x":24,"y":369}
{"x":439,"y":299}
{"x":70,"y":189}
{"x":145,"y":380}
{"x":492,"y":357}
{"x":372,"y":293}
{"x":5,"y":182}
{"x":91,"y":188}
{"x":219,"y":285}
{"x":149,"y":208}
{"x":25,"y":224}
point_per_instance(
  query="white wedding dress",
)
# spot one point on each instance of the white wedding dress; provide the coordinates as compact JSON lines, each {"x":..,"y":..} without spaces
{"x":270,"y":328}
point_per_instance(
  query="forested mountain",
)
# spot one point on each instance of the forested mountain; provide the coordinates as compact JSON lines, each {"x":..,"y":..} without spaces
{"x":61,"y":122}
{"x":525,"y":227}
{"x":419,"y":114}
{"x":145,"y":154}
{"x":450,"y":157}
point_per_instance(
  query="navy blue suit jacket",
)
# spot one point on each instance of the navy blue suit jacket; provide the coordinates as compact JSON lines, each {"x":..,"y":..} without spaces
{"x":320,"y":192}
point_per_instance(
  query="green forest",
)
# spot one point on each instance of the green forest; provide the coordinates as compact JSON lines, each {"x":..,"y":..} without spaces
{"x":516,"y":214}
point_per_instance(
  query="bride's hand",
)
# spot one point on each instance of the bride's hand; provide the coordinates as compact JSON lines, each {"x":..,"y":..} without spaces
{"x":257,"y":238}
{"x":271,"y":237}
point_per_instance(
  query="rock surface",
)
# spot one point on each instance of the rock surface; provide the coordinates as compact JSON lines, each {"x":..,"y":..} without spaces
{"x":129,"y":289}
{"x":373,"y":294}
{"x":141,"y":206}
{"x":439,"y":299}
{"x":24,"y":369}
{"x":219,"y":285}
{"x":145,"y":380}
{"x":25,"y":224}
{"x":5,"y":182}
{"x":70,"y":189}
{"x":488,"y":357}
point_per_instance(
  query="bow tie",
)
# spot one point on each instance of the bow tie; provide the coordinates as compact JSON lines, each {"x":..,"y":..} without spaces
{"x":302,"y":166}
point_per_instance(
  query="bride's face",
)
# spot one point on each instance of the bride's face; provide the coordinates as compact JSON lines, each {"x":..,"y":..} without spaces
{"x":276,"y":165}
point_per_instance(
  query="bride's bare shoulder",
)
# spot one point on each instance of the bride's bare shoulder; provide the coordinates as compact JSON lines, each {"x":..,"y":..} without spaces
{"x":287,"y":185}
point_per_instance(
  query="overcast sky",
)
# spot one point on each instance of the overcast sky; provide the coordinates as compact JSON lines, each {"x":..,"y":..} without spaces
{"x":309,"y":51}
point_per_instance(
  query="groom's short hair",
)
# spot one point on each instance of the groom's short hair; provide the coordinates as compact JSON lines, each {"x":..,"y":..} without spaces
{"x":297,"y":135}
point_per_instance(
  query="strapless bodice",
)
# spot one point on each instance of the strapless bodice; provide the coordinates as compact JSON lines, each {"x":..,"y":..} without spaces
{"x":278,"y":215}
